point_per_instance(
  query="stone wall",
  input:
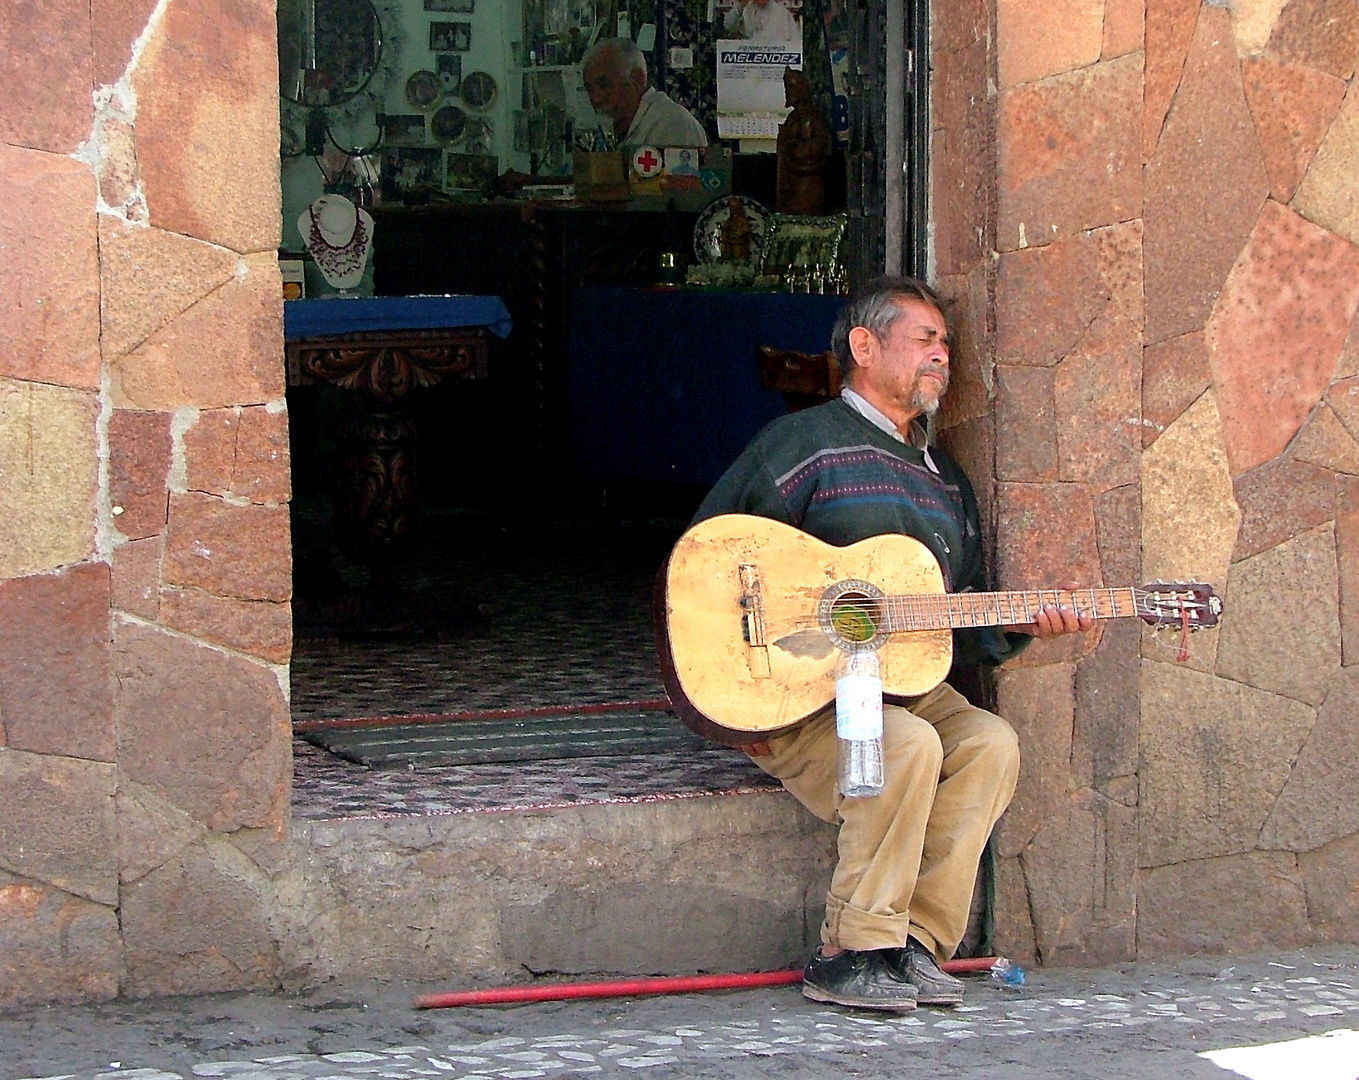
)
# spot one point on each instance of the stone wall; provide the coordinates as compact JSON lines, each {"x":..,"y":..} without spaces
{"x":144,"y":550}
{"x":1150,"y":213}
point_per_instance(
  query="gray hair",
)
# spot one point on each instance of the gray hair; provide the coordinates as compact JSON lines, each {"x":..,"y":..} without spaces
{"x":875,"y":309}
{"x":627,"y":57}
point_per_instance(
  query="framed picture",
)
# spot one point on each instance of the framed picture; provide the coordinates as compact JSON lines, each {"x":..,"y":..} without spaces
{"x":412,"y":173}
{"x":450,"y":37}
{"x":453,"y":7}
{"x":802,"y":253}
{"x":402,"y":129}
{"x":472,"y":172}
{"x":448,"y":66}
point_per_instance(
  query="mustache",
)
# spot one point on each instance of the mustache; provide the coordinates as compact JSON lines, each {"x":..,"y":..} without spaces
{"x":931,"y":368}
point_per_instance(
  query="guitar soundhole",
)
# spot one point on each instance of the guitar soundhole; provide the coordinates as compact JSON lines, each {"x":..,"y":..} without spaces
{"x":852,"y":618}
{"x":852,"y":613}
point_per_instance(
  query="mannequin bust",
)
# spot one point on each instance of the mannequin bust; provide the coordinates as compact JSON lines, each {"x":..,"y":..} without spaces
{"x":339,"y":236}
{"x":804,"y":146}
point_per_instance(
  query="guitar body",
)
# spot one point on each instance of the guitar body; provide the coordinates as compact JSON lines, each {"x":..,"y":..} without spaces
{"x":742,"y":618}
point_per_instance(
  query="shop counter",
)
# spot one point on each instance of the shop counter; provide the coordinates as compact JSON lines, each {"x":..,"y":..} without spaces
{"x":665,"y":383}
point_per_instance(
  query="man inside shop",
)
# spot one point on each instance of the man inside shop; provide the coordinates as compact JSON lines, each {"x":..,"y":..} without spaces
{"x":859,"y":466}
{"x":615,"y":75}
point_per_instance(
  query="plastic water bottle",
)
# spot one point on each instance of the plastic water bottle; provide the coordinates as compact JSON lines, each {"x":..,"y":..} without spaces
{"x":858,"y":721}
{"x":1008,"y":974}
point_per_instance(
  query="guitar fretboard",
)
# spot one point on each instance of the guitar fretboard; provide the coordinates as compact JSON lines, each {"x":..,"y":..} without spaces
{"x":941,"y":611}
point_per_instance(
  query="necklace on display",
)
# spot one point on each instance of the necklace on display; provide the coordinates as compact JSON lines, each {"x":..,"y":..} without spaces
{"x":340,"y":247}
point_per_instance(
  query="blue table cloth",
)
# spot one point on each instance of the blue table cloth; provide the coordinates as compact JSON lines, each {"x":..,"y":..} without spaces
{"x":351,"y":314}
{"x":665,"y":384}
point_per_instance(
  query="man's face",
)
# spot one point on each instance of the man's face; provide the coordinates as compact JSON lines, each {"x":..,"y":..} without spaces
{"x":613,"y":95}
{"x":904,"y":373}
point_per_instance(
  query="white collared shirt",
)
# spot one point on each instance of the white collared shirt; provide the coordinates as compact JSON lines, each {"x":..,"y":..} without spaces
{"x":878,"y":418}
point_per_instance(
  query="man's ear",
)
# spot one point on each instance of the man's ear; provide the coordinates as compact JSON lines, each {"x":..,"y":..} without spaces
{"x":863,"y":346}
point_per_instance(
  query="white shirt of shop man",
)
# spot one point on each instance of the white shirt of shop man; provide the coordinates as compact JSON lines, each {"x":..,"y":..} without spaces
{"x":662,"y":121}
{"x":773,"y":22}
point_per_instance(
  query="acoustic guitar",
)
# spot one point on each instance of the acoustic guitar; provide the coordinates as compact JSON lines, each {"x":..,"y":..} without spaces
{"x":753,"y":618}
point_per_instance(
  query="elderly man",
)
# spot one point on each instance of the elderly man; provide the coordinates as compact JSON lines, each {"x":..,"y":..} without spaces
{"x":615,"y":77}
{"x":857,"y":467}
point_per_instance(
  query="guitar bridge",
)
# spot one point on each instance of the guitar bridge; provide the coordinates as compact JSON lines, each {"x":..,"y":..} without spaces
{"x":752,"y":622}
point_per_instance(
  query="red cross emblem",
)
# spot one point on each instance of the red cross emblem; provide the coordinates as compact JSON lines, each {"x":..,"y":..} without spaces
{"x":646,"y":162}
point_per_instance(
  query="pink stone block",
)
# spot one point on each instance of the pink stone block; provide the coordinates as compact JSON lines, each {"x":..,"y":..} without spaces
{"x":963,"y":150}
{"x":1123,"y":27}
{"x":1069,"y":153}
{"x":258,"y":628}
{"x":1174,"y":374}
{"x":207,"y":91}
{"x":136,"y":577}
{"x":1205,"y":184}
{"x":1047,"y":536}
{"x":1292,"y":106}
{"x":210,"y":451}
{"x":55,"y":692}
{"x":1280,"y":500}
{"x":230,"y":551}
{"x":227,"y":349}
{"x":45,"y":81}
{"x":1098,"y":391}
{"x":1276,"y":331}
{"x":1026,"y":432}
{"x":49,"y":277}
{"x":1169,"y":30}
{"x":139,"y":469}
{"x":117,"y":25}
{"x":261,"y":473}
{"x":203,"y":729}
{"x":1321,"y":34}
{"x":1036,"y":40}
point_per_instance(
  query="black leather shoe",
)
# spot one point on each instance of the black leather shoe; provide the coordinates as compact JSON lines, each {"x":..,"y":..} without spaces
{"x":857,"y":979}
{"x":916,"y":964}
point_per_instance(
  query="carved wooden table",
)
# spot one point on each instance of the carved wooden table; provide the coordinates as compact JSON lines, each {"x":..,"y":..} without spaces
{"x":377,"y":505}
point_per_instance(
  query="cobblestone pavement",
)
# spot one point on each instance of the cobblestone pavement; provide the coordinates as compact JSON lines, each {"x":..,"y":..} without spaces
{"x":1136,"y":1021}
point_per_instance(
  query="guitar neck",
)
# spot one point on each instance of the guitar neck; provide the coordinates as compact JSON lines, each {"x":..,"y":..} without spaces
{"x":941,"y":611}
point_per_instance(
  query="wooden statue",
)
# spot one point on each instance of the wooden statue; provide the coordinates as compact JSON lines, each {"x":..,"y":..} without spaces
{"x":734,"y":237}
{"x":804,"y":147}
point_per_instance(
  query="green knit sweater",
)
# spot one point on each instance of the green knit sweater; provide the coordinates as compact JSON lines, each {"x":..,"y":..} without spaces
{"x":834,"y":474}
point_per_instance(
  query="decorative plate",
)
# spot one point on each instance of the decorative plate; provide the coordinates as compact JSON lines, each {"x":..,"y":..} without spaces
{"x":478,"y":89}
{"x":423,"y":89}
{"x":718,"y":239}
{"x":448,"y":124}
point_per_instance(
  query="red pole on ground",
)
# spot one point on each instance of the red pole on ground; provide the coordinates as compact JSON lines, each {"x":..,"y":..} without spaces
{"x":671,"y":984}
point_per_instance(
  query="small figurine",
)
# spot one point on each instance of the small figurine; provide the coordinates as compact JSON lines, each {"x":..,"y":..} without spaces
{"x":734,"y":238}
{"x":804,"y":147}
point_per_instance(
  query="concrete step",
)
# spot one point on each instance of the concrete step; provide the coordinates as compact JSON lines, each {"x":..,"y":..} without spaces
{"x":720,"y":882}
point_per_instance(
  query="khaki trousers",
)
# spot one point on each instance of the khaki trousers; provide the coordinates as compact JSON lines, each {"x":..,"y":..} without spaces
{"x":908,"y":857}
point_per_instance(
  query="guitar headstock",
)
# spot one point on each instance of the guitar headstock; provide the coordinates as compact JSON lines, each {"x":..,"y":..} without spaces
{"x":1191,"y":604}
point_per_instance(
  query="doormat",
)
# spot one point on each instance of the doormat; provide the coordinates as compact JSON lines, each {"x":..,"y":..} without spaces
{"x":504,"y":735}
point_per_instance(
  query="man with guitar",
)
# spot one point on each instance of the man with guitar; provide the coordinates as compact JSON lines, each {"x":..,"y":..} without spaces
{"x":853,"y":468}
